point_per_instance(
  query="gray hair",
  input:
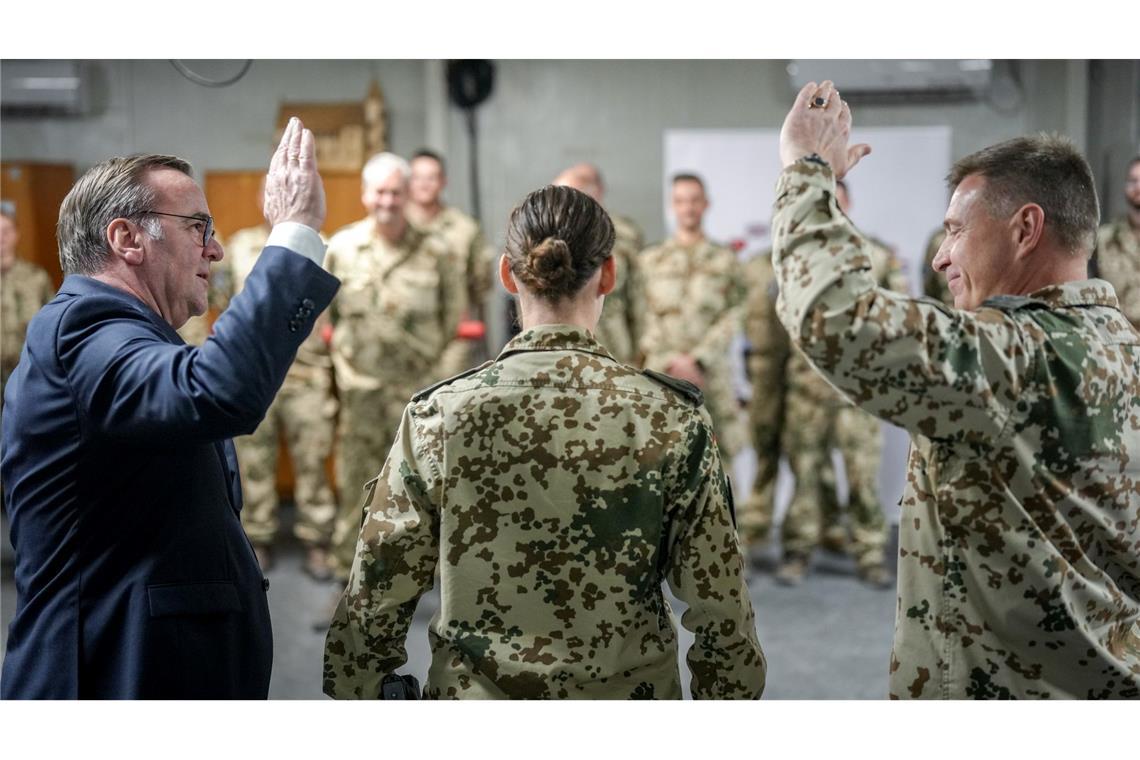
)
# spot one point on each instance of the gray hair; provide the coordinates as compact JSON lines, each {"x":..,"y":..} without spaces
{"x":381,"y":166}
{"x":113,"y":189}
{"x":1046,"y":169}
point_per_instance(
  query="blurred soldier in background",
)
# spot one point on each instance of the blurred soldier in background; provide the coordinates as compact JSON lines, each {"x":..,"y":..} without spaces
{"x":933,"y":283}
{"x":767,"y":366}
{"x":24,"y":288}
{"x":695,"y":297}
{"x":303,"y":412}
{"x":1118,"y":248}
{"x":818,"y":419}
{"x":622,"y":323}
{"x":397,"y":310}
{"x":471,"y":256}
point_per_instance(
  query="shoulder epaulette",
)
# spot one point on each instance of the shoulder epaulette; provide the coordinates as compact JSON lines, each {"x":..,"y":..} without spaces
{"x":422,"y":394}
{"x":684,"y":387}
{"x":1013,"y":303}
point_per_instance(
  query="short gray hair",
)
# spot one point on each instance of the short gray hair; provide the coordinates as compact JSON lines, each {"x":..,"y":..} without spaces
{"x":1046,"y":169}
{"x":381,"y":166}
{"x":113,"y":189}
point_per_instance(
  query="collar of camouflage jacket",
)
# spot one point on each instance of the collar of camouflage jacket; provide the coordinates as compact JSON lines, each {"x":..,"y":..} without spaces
{"x":554,"y":338}
{"x":1078,"y":293}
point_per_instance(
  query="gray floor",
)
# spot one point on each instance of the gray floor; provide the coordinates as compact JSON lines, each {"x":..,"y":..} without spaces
{"x":826,"y":639}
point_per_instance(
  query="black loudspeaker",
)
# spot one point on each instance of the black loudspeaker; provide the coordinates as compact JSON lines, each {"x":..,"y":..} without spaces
{"x":470,"y":82}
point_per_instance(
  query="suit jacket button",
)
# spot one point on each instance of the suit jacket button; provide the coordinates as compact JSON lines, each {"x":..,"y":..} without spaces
{"x":264,"y":584}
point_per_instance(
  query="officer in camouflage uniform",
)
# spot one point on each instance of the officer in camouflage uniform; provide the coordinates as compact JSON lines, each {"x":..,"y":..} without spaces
{"x":695,"y":298}
{"x":1118,"y":249}
{"x":553,"y":490}
{"x":397,"y":309}
{"x":471,"y":256}
{"x":1019,"y":569}
{"x":24,"y":289}
{"x":933,"y":283}
{"x":303,"y":412}
{"x":622,"y":322}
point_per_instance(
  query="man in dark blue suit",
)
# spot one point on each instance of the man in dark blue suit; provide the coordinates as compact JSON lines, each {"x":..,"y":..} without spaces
{"x":133,"y":575}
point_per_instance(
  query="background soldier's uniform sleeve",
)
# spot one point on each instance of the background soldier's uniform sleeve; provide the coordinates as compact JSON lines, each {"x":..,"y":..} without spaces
{"x":480,"y":274}
{"x":637,"y":307}
{"x":394,"y":564}
{"x":705,"y":570}
{"x":453,"y":298}
{"x":713,"y":348}
{"x":930,"y":369}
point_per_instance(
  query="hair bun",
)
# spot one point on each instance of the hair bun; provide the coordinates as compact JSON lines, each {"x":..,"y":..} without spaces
{"x":550,"y":264}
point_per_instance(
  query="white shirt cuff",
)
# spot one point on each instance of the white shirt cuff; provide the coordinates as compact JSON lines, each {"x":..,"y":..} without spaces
{"x":300,"y":238}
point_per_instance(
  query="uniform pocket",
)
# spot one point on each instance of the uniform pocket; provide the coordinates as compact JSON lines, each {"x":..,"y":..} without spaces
{"x":214,"y":598}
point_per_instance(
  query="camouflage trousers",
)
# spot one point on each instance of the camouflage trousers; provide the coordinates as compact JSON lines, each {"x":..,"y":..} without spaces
{"x":811,"y":431}
{"x":368,"y":423}
{"x":304,"y":417}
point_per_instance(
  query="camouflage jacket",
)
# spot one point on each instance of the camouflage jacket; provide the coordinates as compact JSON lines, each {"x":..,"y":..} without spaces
{"x":1118,"y":261}
{"x":622,"y":322}
{"x":1019,"y":545}
{"x":772,"y":351}
{"x":471,"y":255}
{"x":694,"y":296}
{"x":397,"y":308}
{"x":24,"y":289}
{"x":554,"y":489}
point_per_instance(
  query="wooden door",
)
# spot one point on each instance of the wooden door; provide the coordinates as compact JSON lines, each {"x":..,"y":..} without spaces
{"x":233,"y":199}
{"x":32,"y":192}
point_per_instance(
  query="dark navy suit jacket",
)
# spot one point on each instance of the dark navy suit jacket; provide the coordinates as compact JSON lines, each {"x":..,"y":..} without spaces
{"x":134,"y":577}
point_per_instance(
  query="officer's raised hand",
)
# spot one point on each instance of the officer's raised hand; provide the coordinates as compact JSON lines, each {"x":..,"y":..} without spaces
{"x":293,"y":188}
{"x":820,"y":123}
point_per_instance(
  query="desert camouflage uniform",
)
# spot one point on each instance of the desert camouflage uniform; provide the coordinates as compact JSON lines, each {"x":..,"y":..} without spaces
{"x":767,"y":366}
{"x":24,"y":289}
{"x":553,"y":490}
{"x":859,"y":441}
{"x":303,"y":412}
{"x":622,"y":322}
{"x":934,"y":283}
{"x":1118,"y":261}
{"x":396,"y":311}
{"x":804,"y":417}
{"x":695,"y":298}
{"x":1019,"y":557}
{"x":475,"y":260}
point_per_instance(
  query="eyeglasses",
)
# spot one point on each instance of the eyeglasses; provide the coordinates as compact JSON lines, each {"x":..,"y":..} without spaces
{"x":208,"y":221}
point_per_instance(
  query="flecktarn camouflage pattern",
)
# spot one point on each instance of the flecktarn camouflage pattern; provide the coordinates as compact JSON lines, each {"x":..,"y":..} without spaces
{"x":553,"y":490}
{"x":395,"y":313}
{"x":1019,"y":557}
{"x":695,"y":299}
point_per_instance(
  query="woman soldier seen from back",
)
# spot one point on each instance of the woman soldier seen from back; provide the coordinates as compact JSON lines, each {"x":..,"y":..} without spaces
{"x":554,"y":489}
